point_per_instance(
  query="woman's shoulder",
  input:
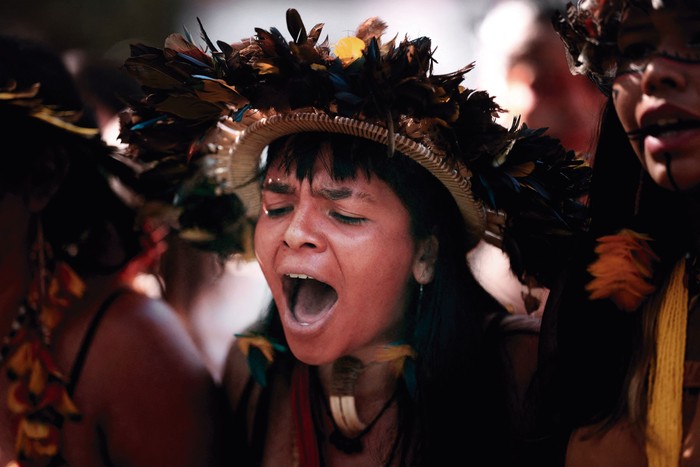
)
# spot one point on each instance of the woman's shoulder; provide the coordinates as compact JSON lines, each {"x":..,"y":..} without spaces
{"x":143,"y":370}
{"x":136,"y":336}
{"x":137,"y":317}
{"x":616,"y":446}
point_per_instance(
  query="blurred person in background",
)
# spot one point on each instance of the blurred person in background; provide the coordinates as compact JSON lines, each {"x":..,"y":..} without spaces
{"x":94,"y":373}
{"x":104,"y":86}
{"x":215,"y":297}
{"x":521,"y":61}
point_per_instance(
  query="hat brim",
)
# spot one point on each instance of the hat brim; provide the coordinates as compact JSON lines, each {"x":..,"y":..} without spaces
{"x":245,"y":155}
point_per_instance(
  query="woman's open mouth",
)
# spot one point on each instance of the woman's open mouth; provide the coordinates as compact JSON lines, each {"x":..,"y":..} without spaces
{"x":308,"y":299}
{"x":665,"y":127}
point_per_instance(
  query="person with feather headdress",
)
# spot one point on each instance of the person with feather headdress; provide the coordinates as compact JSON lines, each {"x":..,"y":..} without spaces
{"x":368,"y":179}
{"x":92,"y":372}
{"x":520,"y":61}
{"x":622,"y":356}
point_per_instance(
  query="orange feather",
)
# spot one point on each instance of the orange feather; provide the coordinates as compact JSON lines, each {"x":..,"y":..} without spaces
{"x":623,"y":270}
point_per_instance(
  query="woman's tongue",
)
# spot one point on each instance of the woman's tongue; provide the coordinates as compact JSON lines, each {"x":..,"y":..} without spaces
{"x":311,"y":300}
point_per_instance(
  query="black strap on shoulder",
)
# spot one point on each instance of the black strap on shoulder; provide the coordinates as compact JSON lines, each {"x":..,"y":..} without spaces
{"x":88,"y":338}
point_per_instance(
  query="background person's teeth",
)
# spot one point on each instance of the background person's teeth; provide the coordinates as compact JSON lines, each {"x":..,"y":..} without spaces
{"x":669,"y":121}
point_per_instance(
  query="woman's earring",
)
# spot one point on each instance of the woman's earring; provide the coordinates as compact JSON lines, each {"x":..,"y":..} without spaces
{"x":420,"y":299}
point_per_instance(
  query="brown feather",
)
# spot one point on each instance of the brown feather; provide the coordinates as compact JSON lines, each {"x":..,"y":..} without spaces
{"x":295,"y":26}
{"x":372,"y":27}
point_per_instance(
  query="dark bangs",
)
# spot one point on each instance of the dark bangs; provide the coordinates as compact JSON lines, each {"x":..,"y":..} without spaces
{"x":421,"y":192}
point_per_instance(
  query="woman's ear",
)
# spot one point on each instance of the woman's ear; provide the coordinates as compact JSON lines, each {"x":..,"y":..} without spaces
{"x":424,"y":262}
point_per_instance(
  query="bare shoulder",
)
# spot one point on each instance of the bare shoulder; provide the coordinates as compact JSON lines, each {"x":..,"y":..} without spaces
{"x":146,"y":322}
{"x":143,"y":339}
{"x":618,"y":446}
{"x":144,"y":379}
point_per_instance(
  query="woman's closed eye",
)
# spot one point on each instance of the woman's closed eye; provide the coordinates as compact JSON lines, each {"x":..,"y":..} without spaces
{"x":277,"y":211}
{"x":346,"y":219}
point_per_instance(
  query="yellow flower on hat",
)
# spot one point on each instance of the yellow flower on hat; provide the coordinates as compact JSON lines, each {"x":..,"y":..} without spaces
{"x":349,"y":49}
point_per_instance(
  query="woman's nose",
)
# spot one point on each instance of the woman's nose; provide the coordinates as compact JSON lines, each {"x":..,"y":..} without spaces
{"x":662,"y":74}
{"x":303,"y":230}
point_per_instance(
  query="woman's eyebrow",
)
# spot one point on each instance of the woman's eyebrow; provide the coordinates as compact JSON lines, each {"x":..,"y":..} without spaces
{"x":335,"y":194}
{"x":278,"y":186}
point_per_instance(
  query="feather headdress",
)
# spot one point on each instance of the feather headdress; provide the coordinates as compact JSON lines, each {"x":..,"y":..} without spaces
{"x":231,"y":100}
{"x":28,"y":102}
{"x":589,"y":29}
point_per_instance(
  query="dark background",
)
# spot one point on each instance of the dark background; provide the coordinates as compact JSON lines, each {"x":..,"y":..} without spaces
{"x":105,"y":28}
{"x":96,"y":26}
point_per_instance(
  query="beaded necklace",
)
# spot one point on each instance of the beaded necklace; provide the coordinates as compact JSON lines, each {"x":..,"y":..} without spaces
{"x":37,"y":396}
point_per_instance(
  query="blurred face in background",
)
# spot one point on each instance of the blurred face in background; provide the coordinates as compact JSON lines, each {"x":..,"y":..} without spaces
{"x":543,"y":91}
{"x":523,"y":64}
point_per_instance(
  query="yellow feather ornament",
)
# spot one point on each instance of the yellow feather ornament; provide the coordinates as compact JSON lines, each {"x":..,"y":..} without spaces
{"x":259,"y":342}
{"x":396,"y":354}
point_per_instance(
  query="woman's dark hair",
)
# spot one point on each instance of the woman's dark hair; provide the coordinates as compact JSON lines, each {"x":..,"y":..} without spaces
{"x":84,"y":216}
{"x":456,"y":383}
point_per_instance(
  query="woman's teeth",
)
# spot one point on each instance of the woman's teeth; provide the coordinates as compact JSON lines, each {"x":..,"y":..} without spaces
{"x":299,"y":276}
